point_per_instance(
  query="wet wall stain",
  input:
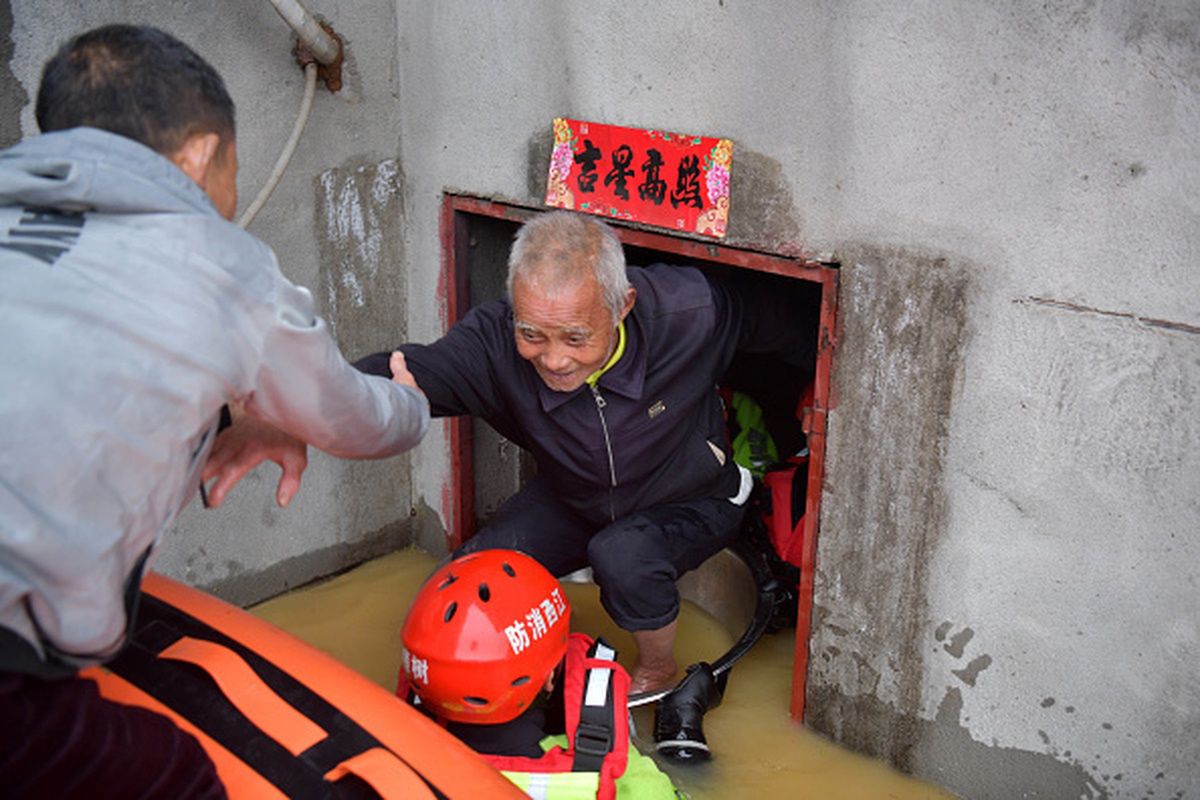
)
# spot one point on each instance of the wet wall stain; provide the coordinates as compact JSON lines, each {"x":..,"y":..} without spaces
{"x":957,"y":642}
{"x":362,"y":289}
{"x":762,"y":213}
{"x":13,"y":97}
{"x":903,"y":325}
{"x":986,"y":772}
{"x":537,"y":164}
{"x":970,"y":673}
{"x":242,"y":588}
{"x":429,"y":531}
{"x":944,"y":753}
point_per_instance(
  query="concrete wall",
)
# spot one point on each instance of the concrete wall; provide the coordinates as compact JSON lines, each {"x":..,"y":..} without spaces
{"x":1007,"y":581}
{"x":1007,"y":569}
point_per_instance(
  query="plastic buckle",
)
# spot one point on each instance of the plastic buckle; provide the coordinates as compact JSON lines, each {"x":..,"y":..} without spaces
{"x":593,"y":740}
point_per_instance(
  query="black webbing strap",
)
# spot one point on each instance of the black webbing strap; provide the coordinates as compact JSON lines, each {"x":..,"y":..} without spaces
{"x":595,"y":734}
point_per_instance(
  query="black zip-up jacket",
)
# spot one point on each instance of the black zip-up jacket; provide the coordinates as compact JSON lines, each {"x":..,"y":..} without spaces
{"x":652,"y":431}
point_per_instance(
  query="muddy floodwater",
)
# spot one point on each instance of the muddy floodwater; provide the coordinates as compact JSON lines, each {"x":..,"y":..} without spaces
{"x":758,"y":751}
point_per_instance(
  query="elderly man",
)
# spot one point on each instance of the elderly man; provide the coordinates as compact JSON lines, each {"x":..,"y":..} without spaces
{"x":608,"y":377}
{"x":131,"y":312}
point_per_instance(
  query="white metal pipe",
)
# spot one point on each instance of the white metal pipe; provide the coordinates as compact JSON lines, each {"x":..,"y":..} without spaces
{"x":323,"y":46}
{"x":285,"y":155}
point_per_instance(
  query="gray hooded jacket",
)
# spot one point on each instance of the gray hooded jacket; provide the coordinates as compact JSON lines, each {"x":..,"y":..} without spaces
{"x":130,"y":313}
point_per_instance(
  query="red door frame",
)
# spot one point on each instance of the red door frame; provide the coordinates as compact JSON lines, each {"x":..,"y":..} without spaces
{"x":453,"y":287}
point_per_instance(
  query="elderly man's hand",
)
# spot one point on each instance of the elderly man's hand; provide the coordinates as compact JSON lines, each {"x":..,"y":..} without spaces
{"x":400,"y":373}
{"x":243,"y":446}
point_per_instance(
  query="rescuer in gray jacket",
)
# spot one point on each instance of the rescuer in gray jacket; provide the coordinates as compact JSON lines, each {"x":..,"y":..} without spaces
{"x":131,"y":312}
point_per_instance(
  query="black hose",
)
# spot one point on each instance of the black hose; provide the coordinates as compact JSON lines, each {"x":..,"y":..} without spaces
{"x":769,"y":594}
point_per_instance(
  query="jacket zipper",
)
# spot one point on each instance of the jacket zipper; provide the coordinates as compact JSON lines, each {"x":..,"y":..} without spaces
{"x":612,"y":470}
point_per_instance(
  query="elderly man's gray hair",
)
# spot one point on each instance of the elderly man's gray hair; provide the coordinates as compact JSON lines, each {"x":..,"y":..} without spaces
{"x":557,"y":245}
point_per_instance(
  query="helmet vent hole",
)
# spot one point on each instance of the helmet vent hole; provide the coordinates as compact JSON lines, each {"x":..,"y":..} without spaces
{"x":450,"y":609}
{"x":485,"y":593}
{"x":475,"y":701}
{"x":449,"y":580}
{"x":521,"y":681}
{"x":508,"y":570}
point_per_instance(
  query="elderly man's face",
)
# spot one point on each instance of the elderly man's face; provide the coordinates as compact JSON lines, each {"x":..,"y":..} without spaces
{"x":566,"y":334}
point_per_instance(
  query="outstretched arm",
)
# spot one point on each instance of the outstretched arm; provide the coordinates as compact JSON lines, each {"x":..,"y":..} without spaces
{"x":458,"y":372}
{"x":250,"y":441}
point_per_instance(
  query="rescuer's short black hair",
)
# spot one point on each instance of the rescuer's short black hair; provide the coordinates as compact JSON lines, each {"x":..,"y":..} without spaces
{"x":136,"y":81}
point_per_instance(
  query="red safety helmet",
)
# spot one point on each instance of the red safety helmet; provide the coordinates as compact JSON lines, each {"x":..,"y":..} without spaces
{"x":483,"y":633}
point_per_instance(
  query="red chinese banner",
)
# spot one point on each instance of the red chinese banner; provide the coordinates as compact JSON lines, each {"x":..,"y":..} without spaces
{"x":654,"y":177}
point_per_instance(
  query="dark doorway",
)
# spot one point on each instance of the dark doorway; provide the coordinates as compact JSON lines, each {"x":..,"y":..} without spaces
{"x":477,"y":235}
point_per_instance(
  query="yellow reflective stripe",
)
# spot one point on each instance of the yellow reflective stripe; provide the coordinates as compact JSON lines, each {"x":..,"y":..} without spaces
{"x":556,"y":785}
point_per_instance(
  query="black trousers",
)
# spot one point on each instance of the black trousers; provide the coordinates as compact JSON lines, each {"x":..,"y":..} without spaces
{"x":61,"y":739}
{"x":635,"y":561}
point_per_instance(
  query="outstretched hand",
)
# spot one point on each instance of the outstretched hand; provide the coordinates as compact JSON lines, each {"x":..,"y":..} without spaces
{"x":400,"y":373}
{"x":243,"y":446}
{"x":249,"y":441}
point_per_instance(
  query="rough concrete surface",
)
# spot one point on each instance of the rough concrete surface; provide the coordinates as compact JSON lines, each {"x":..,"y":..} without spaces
{"x":902,"y":338}
{"x":1008,"y":568}
{"x":13,"y":96}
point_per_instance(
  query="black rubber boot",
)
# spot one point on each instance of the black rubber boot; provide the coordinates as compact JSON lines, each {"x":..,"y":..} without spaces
{"x":679,"y":716}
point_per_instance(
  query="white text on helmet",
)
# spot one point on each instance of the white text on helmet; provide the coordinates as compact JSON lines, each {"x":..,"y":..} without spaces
{"x":537,"y":622}
{"x":417,"y":668}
